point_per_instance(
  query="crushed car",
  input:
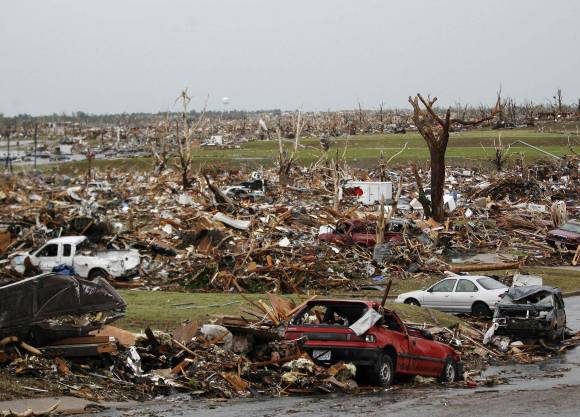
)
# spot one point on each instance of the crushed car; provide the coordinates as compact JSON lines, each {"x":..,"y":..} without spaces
{"x":51,"y":307}
{"x":374,"y":339}
{"x":534,"y":311}
{"x":76,"y":252}
{"x":363,"y":232}
{"x":567,"y":235}
{"x":247,"y":190}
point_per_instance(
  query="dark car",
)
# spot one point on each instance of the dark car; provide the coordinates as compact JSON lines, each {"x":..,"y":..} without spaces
{"x":375,"y":339}
{"x":567,"y":235}
{"x":534,"y":311}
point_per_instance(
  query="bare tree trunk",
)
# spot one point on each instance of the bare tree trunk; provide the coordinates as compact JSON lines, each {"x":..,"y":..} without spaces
{"x":437,"y":183}
{"x":435,"y":131}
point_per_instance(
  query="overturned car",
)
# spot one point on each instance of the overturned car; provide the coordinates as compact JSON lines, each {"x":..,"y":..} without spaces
{"x":51,"y":307}
{"x":534,"y":311}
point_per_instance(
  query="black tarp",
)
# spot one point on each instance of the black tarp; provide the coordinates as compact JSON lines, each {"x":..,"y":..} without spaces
{"x":30,"y":308}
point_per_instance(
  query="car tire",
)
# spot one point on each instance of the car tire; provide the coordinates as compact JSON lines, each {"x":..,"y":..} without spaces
{"x":412,"y":302}
{"x":480,"y":309}
{"x":384,"y":371}
{"x":98,"y":273}
{"x":449,"y":374}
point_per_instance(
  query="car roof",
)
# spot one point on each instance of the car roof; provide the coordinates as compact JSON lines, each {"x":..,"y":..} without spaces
{"x":468,"y":277}
{"x":336,"y":301}
{"x":73,"y":240}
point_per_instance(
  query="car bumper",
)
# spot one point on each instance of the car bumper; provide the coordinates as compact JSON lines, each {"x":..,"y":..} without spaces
{"x":523,"y":327}
{"x":356,"y":355}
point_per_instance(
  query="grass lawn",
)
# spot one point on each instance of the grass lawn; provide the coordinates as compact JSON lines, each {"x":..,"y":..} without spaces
{"x":160,"y":310}
{"x":565,"y":279}
{"x":465,"y":148}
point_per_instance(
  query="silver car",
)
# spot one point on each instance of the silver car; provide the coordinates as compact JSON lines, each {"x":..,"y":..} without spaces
{"x":473,"y":294}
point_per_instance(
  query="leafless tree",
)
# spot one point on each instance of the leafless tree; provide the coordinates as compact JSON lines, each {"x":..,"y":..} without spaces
{"x":381,"y":118}
{"x":500,"y":154}
{"x":185,"y":150}
{"x":159,"y":146}
{"x":558,"y":100}
{"x":286,"y":159}
{"x":435,"y":131}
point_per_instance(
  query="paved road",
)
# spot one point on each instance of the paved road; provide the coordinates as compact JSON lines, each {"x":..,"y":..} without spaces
{"x":551,"y":388}
{"x":561,"y":402}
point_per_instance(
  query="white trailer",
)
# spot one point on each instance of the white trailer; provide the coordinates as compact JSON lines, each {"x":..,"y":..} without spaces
{"x":369,"y":192}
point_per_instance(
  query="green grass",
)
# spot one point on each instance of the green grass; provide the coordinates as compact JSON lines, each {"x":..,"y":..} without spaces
{"x":566,"y":280}
{"x":158,"y":309}
{"x":465,"y":148}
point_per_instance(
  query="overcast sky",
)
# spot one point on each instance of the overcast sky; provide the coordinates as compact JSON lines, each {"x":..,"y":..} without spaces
{"x":111,"y":56}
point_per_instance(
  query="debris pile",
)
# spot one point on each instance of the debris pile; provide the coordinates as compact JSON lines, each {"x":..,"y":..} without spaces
{"x":286,"y":239}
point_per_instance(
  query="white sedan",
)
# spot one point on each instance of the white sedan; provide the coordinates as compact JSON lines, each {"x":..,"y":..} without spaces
{"x":473,"y":294}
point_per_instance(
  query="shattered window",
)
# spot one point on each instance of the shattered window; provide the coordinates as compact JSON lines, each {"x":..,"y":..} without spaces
{"x":364,"y":228}
{"x":559,"y":301}
{"x":465,"y":285}
{"x":342,"y":228}
{"x":444,"y":286}
{"x":331,"y":315}
{"x":396,"y":227}
{"x":49,"y":251}
{"x":84,"y":246}
{"x":547,"y":301}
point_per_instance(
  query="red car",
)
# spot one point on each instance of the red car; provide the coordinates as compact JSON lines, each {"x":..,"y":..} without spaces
{"x":375,"y":339}
{"x":568,"y":235}
{"x":363,"y":232}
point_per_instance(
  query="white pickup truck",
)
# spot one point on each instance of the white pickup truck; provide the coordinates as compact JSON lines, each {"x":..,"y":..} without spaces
{"x":76,"y":252}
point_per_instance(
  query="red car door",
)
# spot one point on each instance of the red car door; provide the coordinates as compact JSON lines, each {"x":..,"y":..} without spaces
{"x":427,"y":358}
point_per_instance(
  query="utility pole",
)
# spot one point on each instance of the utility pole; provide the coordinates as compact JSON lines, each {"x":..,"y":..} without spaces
{"x":35,"y":142}
{"x":90,"y":156}
{"x":8,"y":164}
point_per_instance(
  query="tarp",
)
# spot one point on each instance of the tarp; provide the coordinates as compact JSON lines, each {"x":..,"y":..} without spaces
{"x":33,"y":306}
{"x":519,"y":293}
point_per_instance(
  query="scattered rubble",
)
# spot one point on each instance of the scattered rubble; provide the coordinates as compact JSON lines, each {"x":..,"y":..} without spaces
{"x":237,"y":231}
{"x":201,"y":239}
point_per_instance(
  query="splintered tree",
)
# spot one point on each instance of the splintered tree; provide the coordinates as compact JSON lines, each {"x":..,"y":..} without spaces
{"x":435,"y":131}
{"x":159,"y":146}
{"x":285,"y":159}
{"x":185,"y":150}
{"x":558,"y":100}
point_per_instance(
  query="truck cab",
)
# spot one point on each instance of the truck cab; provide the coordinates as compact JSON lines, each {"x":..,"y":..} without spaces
{"x":76,"y":252}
